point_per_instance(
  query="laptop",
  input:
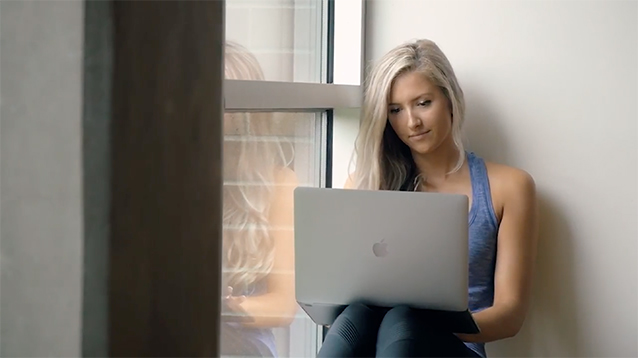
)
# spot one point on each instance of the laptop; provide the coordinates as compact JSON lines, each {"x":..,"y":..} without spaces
{"x":382,"y":249}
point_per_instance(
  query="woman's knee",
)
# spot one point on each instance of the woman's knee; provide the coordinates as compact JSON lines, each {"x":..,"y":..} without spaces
{"x":399,"y":314}
{"x":360,"y":315}
{"x":353,"y":333}
{"x":357,"y":309}
{"x":401,"y":322}
{"x":400,"y":334}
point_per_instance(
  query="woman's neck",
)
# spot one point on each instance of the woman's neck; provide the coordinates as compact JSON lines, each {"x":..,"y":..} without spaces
{"x":437,"y":165}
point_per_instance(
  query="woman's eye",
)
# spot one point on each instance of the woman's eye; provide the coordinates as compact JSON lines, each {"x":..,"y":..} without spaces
{"x":425,"y":103}
{"x":394,"y":110}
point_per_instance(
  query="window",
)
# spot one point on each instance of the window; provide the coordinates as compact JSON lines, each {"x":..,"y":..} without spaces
{"x":285,"y":36}
{"x":286,"y":75}
{"x":266,"y":154}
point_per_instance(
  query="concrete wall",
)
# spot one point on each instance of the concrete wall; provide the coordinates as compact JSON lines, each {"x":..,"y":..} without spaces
{"x":41,"y":223}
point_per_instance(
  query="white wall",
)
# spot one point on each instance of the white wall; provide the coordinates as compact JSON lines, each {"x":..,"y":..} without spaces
{"x":551,"y":87}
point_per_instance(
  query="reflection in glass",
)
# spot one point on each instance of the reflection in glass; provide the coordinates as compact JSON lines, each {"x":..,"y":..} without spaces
{"x":285,"y":36}
{"x":263,"y":153}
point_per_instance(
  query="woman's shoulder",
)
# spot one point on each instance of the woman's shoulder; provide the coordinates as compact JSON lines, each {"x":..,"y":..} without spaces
{"x":286,"y":176}
{"x":349,"y":184}
{"x":508,"y":182}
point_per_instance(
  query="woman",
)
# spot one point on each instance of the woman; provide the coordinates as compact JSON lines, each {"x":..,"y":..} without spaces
{"x":258,"y":266}
{"x":410,"y":139}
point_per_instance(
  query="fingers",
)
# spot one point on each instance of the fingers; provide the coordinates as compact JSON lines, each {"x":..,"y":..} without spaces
{"x":234,"y":303}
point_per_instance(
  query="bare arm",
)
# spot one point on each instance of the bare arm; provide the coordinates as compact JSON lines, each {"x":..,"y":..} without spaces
{"x":349,"y":183}
{"x":516,"y":253}
{"x":278,"y":306}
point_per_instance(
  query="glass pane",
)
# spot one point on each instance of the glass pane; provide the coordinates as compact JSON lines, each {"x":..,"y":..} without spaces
{"x":285,"y":37}
{"x":266,"y":155}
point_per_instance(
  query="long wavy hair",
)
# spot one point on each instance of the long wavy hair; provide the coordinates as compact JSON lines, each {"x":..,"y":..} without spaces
{"x":251,"y":160}
{"x":382,"y":161}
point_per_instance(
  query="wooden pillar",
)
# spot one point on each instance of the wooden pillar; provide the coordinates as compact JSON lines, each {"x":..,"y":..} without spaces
{"x":166,"y":145}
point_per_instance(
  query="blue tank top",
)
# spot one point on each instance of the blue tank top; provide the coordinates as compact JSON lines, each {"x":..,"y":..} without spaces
{"x":254,"y":339}
{"x":483,"y":231}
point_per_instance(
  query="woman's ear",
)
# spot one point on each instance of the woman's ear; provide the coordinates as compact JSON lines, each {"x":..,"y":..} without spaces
{"x":452,"y":113}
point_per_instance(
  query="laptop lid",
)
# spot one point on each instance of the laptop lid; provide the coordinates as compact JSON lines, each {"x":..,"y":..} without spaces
{"x":381,"y":248}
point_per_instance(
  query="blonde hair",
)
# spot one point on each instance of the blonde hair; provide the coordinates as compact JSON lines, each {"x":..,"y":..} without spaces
{"x":249,"y":175}
{"x":383,"y":161}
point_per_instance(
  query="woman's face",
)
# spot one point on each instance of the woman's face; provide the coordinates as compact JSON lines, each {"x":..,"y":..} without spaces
{"x":419,"y":113}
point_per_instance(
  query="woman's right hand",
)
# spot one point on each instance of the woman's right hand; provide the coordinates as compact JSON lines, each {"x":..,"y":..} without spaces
{"x":233,"y":303}
{"x":231,"y":307}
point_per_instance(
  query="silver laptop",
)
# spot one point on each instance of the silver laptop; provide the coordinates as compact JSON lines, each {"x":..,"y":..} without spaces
{"x":381,"y":248}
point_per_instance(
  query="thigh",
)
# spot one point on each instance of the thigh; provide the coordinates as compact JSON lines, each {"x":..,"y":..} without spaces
{"x":353,"y":334}
{"x":404,"y":333}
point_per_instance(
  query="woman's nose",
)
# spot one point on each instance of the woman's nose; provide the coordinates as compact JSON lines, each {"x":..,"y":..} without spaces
{"x":413,"y":120}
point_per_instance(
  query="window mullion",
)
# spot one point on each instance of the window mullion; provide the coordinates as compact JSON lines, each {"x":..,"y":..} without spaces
{"x":244,"y":96}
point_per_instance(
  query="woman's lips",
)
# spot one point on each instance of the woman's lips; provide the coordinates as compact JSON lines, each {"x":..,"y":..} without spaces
{"x":420,"y":135}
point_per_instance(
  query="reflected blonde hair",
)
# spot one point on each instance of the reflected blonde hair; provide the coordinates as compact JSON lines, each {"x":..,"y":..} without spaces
{"x":383,"y":161}
{"x":249,"y":176}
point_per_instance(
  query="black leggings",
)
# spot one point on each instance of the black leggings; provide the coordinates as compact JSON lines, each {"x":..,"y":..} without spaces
{"x":361,"y":331}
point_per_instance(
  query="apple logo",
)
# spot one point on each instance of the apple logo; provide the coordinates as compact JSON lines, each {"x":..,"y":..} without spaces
{"x":380,"y":249}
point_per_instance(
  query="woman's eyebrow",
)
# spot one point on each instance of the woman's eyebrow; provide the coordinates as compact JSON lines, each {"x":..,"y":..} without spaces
{"x":414,"y":99}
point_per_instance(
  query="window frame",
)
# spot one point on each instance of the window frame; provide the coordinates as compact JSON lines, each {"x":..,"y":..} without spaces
{"x":274,"y":96}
